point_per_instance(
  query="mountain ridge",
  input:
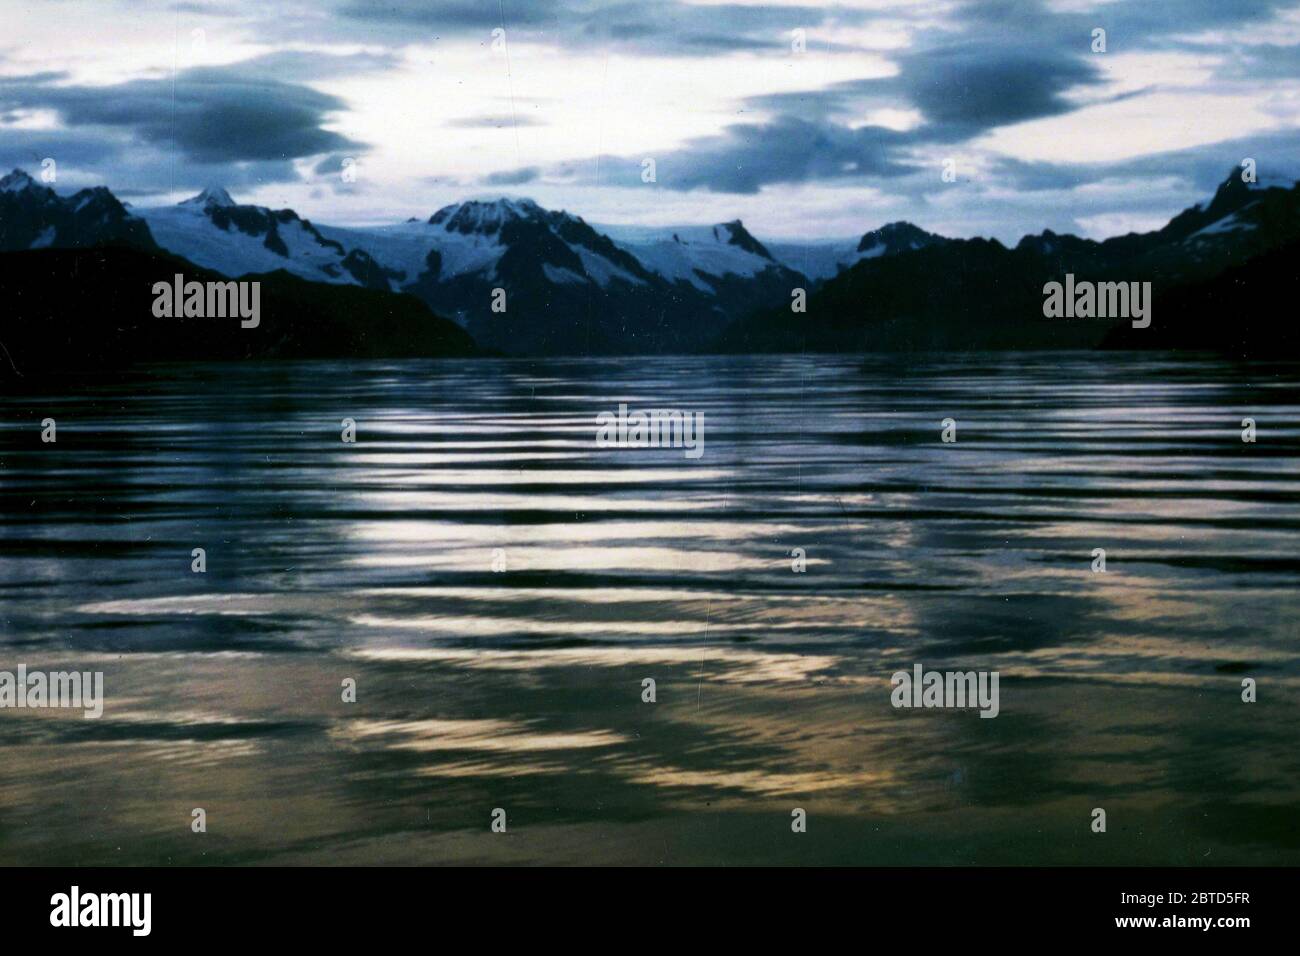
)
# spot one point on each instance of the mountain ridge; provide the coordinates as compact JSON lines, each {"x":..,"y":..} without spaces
{"x":980,"y":294}
{"x":522,"y":279}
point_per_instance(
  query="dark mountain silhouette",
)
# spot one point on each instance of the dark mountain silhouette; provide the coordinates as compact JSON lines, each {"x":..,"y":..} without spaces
{"x":1241,"y":220}
{"x":978,"y":294}
{"x":35,"y":216}
{"x":1245,"y":310}
{"x":896,"y":237}
{"x":78,"y":310}
{"x":571,"y":289}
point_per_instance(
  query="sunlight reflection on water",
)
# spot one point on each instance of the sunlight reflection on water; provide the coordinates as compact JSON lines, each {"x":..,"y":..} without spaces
{"x":523,"y":687}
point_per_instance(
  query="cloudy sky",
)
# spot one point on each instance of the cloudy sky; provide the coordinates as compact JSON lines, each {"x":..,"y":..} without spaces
{"x":806,"y":120}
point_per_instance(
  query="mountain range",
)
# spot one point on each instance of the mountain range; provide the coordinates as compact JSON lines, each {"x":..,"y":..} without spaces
{"x":520,"y":279}
{"x":926,"y":292}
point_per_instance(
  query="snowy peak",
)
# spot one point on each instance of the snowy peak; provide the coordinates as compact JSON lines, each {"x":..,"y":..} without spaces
{"x":214,"y":231}
{"x":211,"y":196}
{"x":479,"y":217}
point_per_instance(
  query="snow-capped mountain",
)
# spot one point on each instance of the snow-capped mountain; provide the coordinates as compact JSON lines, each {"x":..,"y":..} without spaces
{"x":564,"y":285}
{"x":476,"y":242}
{"x":34,"y":216}
{"x":211,"y":196}
{"x":567,"y":285}
{"x":522,"y":279}
{"x":696,"y":254}
{"x":570,"y":285}
{"x":214,"y":231}
{"x":723,"y":263}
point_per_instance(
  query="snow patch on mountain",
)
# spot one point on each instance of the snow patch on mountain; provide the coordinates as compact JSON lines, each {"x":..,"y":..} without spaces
{"x":403,"y":247}
{"x":213,"y":231}
{"x":561,"y":274}
{"x":1229,"y":223}
{"x":693,"y":253}
{"x":463,"y":239}
{"x":817,"y":260}
{"x":602,"y":271}
{"x":469,"y":239}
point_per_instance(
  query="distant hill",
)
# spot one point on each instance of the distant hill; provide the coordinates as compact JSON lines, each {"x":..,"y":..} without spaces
{"x":72,"y":310}
{"x":978,"y":294}
{"x":960,"y":294}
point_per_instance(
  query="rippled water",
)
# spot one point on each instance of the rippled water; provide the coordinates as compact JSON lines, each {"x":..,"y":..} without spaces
{"x":522,"y":689}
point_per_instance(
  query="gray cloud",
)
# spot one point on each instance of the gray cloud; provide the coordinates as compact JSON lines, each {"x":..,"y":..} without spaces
{"x":969,"y":88}
{"x":113,"y":158}
{"x":961,"y":90}
{"x":994,"y":63}
{"x":749,"y":156}
{"x":233,"y":124}
{"x":25,"y":148}
{"x":517,"y":177}
{"x":210,"y":115}
{"x":664,"y":27}
{"x":1201,"y":168}
{"x":1131,"y":25}
{"x":331,"y":165}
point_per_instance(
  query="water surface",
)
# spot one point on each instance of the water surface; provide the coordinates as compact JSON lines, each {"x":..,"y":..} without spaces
{"x":521,"y":689}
